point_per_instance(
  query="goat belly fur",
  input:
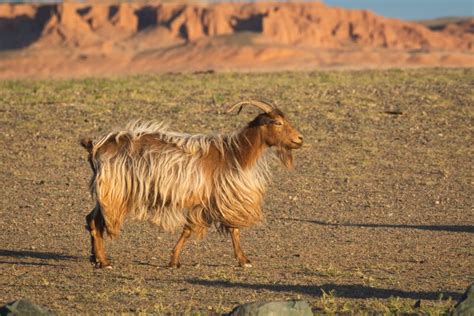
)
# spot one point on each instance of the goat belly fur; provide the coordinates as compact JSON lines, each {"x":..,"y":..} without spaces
{"x":149,"y":173}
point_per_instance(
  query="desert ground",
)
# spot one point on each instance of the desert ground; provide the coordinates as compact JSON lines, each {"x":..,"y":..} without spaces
{"x":376,"y":216}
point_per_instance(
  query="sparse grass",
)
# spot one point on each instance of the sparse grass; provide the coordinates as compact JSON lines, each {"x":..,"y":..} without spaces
{"x":328,"y":302}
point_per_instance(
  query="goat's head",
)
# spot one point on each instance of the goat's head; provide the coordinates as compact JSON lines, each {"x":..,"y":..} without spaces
{"x":275,"y":128}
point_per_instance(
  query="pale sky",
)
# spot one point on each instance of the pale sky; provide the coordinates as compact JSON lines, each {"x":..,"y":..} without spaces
{"x":411,"y":9}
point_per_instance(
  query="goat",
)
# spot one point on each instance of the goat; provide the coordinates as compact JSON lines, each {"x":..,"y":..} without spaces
{"x":171,"y":179}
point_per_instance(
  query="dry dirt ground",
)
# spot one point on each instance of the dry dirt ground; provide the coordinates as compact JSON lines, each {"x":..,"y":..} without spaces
{"x":376,"y":216}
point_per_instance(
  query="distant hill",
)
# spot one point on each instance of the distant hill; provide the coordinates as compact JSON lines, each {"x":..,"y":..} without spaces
{"x":71,"y":39}
{"x":440,"y":23}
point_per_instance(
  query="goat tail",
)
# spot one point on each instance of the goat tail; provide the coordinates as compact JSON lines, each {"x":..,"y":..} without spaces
{"x":87,"y":144}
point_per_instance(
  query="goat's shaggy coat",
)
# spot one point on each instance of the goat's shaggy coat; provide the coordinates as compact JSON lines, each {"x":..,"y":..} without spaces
{"x":149,"y":173}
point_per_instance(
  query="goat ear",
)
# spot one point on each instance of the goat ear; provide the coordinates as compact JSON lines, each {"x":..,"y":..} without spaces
{"x":286,"y":157}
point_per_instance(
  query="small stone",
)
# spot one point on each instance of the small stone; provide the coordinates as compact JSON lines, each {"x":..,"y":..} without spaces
{"x":275,"y":308}
{"x":22,"y":307}
{"x":465,"y":306}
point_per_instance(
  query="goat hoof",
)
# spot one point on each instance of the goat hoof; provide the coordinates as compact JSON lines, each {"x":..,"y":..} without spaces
{"x":174,"y":264}
{"x":245,"y":263}
{"x":93,"y":260}
{"x":99,"y":265}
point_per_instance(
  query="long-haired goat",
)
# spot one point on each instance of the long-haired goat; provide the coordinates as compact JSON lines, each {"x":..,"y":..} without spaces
{"x":173,"y":179}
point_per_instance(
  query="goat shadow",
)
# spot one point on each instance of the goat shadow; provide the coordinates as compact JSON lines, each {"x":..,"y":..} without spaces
{"x":353,"y":291}
{"x":446,"y":228}
{"x":46,"y":257}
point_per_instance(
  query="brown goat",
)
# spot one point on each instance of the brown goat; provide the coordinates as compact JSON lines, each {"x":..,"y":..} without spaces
{"x":173,"y":179}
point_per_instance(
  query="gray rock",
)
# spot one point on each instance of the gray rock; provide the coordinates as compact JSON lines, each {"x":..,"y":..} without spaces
{"x":22,"y":307}
{"x":275,"y":308}
{"x":465,"y":306}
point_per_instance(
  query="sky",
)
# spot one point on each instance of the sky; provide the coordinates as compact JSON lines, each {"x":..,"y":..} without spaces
{"x":410,"y":9}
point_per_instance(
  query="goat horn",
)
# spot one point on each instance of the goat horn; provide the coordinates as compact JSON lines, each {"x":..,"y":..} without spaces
{"x":264,"y":106}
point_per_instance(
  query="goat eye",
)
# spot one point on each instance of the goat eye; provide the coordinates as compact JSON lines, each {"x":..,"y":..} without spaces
{"x":278,"y":123}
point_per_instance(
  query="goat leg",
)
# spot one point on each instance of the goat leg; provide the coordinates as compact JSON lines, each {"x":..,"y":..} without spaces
{"x":92,"y":257}
{"x":239,"y":254}
{"x":96,"y":228}
{"x":174,"y":262}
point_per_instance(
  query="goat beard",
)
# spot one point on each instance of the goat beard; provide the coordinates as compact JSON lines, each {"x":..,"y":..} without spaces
{"x":285,"y":156}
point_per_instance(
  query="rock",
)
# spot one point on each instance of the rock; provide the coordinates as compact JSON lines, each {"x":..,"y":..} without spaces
{"x":125,"y":18}
{"x":309,"y":23}
{"x":78,"y":38}
{"x":66,"y":27}
{"x":275,"y":308}
{"x":465,"y":306}
{"x":22,"y":307}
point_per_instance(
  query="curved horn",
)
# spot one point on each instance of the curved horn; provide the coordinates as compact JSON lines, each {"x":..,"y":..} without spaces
{"x":264,"y":106}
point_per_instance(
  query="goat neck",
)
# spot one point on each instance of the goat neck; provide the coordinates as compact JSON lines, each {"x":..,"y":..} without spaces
{"x":251,"y":146}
